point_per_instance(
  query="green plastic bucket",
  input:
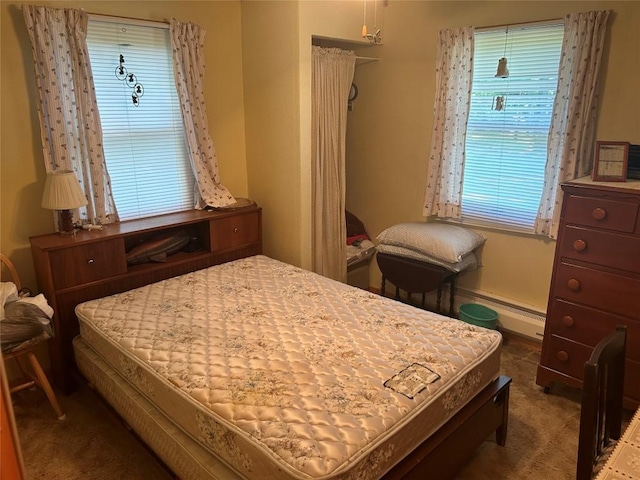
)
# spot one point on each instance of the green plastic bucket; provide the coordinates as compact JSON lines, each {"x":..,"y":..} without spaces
{"x":479,"y":315}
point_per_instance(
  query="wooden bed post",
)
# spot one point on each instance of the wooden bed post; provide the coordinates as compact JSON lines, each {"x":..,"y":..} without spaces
{"x":448,"y":449}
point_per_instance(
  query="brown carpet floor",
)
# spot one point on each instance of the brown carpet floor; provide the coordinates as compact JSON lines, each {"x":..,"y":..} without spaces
{"x":93,"y":444}
{"x":542,"y":440}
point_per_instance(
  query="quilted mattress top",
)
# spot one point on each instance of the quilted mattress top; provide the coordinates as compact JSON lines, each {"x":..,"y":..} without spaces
{"x":259,"y":359}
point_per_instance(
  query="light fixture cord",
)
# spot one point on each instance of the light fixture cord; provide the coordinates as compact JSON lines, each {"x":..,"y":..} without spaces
{"x":364,"y":20}
{"x":375,"y":15}
{"x":506,"y":36}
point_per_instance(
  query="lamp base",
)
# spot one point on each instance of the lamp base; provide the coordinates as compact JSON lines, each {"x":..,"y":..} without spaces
{"x":65,"y":223}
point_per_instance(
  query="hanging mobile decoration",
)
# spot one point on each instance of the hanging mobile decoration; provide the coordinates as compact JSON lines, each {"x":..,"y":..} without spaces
{"x":500,"y":102}
{"x":131,"y":81}
{"x":503,"y":71}
{"x":121,"y":71}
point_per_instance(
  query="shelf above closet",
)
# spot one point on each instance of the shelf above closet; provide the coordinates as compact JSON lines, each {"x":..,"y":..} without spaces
{"x":346,"y":44}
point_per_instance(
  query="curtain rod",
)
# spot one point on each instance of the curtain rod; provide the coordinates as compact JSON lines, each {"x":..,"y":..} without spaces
{"x":129,"y":20}
{"x":549,"y":21}
{"x":120,"y":18}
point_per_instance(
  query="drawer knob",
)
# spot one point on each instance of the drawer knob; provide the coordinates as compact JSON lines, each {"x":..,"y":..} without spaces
{"x":599,"y":213}
{"x":573,"y":284}
{"x":562,"y":356}
{"x":579,"y":245}
{"x":235,"y":230}
{"x":90,"y":261}
{"x":568,"y":321}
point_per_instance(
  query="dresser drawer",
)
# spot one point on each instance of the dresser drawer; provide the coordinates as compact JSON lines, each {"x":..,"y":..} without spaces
{"x":87,"y":263}
{"x":616,"y":215}
{"x":566,"y":356}
{"x":618,"y":294}
{"x":602,"y":248}
{"x":589,"y":325}
{"x":569,"y":358}
{"x":234,"y":232}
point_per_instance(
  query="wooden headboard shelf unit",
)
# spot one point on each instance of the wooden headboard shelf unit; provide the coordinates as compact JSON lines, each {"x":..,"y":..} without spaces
{"x":92,"y":264}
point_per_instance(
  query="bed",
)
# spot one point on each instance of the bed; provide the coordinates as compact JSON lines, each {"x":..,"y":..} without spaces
{"x":258,"y":369}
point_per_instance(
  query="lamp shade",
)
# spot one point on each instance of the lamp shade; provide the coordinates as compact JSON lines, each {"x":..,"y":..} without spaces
{"x":62,"y":191}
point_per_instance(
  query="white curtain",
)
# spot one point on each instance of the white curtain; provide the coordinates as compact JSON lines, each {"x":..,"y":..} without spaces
{"x":454,"y":73}
{"x":187,"y":43}
{"x":69,"y":118}
{"x":572,"y":131}
{"x":332,"y":74}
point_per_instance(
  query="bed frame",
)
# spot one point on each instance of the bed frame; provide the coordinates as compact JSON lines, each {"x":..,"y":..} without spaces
{"x":225,"y":236}
{"x":440,"y":456}
{"x":448,"y":449}
{"x":414,"y":276}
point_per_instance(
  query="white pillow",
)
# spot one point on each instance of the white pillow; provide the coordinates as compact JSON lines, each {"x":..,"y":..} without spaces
{"x":8,"y":293}
{"x":468,"y":262}
{"x":439,"y":240}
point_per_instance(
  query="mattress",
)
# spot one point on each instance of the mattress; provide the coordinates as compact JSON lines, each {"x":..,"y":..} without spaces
{"x":282,"y":373}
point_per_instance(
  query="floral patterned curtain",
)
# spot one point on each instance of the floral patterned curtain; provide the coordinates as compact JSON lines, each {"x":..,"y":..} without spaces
{"x":331,"y":76}
{"x":454,"y":72}
{"x":573,"y":121}
{"x":69,"y":119}
{"x":187,"y":43}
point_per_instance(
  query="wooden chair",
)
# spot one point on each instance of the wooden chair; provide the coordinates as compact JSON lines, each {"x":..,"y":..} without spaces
{"x":602,"y":392}
{"x":26,"y":356}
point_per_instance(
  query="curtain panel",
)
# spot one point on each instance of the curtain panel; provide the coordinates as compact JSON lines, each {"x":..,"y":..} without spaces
{"x":331,"y":77}
{"x":572,"y":130}
{"x":454,"y":72}
{"x":187,"y":43}
{"x":573,"y":120}
{"x":68,"y":110}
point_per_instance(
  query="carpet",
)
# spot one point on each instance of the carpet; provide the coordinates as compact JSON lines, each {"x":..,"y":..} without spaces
{"x":93,"y":444}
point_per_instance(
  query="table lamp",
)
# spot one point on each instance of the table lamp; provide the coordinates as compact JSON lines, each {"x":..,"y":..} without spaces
{"x":62,"y":192}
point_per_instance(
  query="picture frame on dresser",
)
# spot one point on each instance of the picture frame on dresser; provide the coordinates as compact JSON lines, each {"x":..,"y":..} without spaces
{"x":610,"y":161}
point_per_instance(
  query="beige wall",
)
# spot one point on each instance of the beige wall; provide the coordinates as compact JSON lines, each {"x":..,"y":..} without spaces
{"x":270,"y":62}
{"x":389,"y":128}
{"x":333,"y":20}
{"x":277,"y":85}
{"x":258,"y":100}
{"x":22,"y":170}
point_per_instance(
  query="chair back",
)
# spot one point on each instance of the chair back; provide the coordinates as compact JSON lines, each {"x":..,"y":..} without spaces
{"x":12,"y":270}
{"x":602,"y":392}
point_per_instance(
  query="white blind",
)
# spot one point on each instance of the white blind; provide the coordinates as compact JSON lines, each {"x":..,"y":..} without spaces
{"x":144,"y":145}
{"x":506,"y":150}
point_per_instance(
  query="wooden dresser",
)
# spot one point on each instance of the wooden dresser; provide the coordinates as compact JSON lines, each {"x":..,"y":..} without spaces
{"x":596,"y":282}
{"x":71,"y":270}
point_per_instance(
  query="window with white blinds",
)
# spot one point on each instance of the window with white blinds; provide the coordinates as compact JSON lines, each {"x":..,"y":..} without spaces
{"x":506,"y":149}
{"x":144,"y":145}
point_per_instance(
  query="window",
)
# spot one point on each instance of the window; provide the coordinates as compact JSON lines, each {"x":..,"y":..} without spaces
{"x":506,"y":149}
{"x":144,"y":145}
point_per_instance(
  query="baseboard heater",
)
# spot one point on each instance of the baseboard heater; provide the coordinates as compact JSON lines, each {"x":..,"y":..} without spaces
{"x":514,"y":317}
